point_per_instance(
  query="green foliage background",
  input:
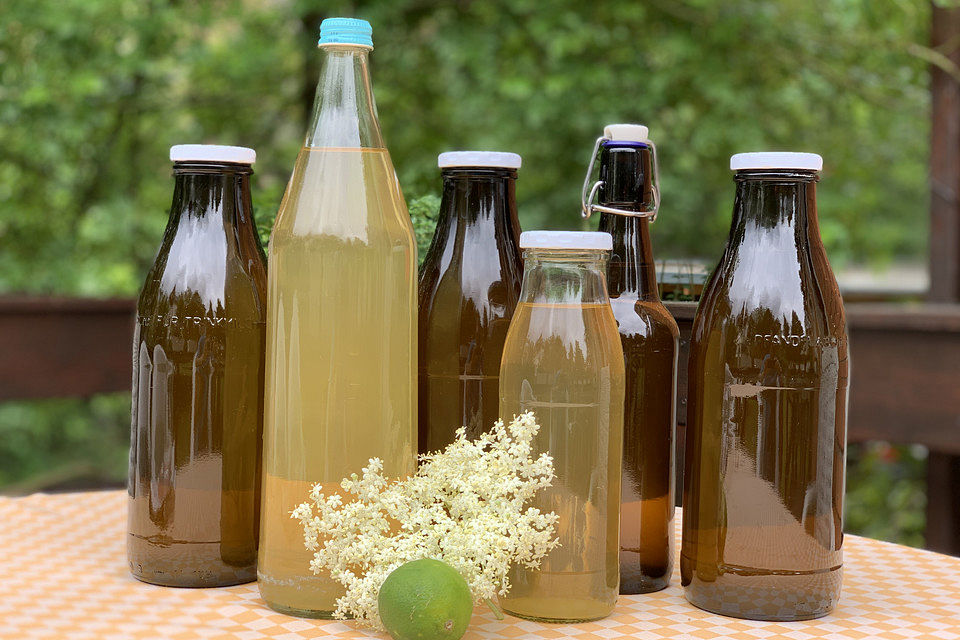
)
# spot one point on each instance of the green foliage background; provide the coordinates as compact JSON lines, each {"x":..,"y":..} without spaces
{"x":93,"y":92}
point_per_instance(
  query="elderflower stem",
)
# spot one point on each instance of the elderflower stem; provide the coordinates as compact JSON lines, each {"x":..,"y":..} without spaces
{"x":497,"y":612}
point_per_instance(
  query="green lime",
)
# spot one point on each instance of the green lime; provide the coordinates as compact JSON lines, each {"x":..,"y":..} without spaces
{"x":425,"y":600}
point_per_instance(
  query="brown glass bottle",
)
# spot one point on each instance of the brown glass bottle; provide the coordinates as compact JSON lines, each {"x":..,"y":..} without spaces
{"x":198,"y":371}
{"x":469,"y":287}
{"x":650,"y":336}
{"x":766,"y":428}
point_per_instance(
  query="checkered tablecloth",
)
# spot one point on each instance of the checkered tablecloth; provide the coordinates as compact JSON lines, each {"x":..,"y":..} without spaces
{"x":63,"y":574}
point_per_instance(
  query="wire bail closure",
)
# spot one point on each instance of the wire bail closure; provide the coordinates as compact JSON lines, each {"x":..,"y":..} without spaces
{"x":589,"y":192}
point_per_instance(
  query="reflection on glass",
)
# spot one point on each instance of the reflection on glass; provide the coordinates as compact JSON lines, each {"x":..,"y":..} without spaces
{"x":198,"y":388}
{"x":469,"y":285}
{"x":763,"y":493}
{"x":562,"y":360}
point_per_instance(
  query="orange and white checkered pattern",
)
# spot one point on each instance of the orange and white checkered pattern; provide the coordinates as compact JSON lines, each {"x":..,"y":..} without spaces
{"x":63,"y":574}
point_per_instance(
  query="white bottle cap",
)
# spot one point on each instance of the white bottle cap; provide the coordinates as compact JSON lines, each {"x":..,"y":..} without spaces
{"x":626,"y":132}
{"x":499,"y":159}
{"x":776,"y":160}
{"x":597,"y":240}
{"x":212,"y":153}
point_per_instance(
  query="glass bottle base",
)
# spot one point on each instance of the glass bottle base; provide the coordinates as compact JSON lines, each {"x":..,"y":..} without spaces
{"x":647,"y":566}
{"x":301,"y":613}
{"x":778,"y":597}
{"x":195,"y":577}
{"x":534,"y":618}
{"x":197,"y":581}
{"x":303,"y":596}
{"x":556,"y":610}
{"x":635,"y":585}
{"x":189,"y":565}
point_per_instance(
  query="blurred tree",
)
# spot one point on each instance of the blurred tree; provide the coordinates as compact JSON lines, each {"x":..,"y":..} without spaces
{"x":92,"y":93}
{"x":885,"y":495}
{"x":710,"y":78}
{"x":64,"y":442}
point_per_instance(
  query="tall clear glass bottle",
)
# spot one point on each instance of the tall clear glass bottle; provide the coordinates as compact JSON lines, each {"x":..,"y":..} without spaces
{"x":341,"y":347}
{"x":469,"y":286}
{"x":562,"y":360}
{"x":629,"y":199}
{"x":198,"y":369}
{"x":766,"y":427}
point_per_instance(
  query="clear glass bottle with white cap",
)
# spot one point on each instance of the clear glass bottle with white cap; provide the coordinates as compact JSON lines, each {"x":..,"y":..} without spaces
{"x":469,"y":286}
{"x":628,"y":200}
{"x":198,"y":367}
{"x":342,"y":329}
{"x":766,"y":423}
{"x":563,"y":361}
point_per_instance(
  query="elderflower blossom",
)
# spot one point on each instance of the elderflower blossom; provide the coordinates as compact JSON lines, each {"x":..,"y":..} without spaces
{"x":464,"y":506}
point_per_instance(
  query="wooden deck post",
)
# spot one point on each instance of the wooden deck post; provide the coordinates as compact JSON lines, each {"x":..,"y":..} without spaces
{"x":943,"y":470}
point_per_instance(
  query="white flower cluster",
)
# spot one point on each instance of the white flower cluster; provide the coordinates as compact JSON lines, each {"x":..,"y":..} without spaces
{"x":464,"y":506}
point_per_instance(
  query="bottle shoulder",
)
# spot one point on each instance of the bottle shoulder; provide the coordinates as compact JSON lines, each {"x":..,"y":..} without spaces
{"x":805,"y":302}
{"x":471,"y":276}
{"x":352,"y":194}
{"x":235,"y":288}
{"x":479,"y":269}
{"x":779,"y":275}
{"x":456,"y":241}
{"x":584,"y":336}
{"x":443,"y":298}
{"x":371,"y":242}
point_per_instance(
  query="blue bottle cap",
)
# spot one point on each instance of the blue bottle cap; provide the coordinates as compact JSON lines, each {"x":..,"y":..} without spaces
{"x":346,"y":31}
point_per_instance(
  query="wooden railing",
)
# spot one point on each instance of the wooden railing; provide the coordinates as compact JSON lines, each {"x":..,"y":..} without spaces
{"x":905,"y":379}
{"x":64,"y":347}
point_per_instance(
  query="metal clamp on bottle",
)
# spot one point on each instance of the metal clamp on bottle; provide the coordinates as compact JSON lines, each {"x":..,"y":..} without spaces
{"x":633,"y":133}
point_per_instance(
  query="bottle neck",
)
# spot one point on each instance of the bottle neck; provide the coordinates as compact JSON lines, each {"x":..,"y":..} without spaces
{"x":564,"y":277}
{"x":775,"y":210}
{"x":626,"y":174}
{"x":632,"y":271}
{"x":212,"y":195}
{"x":480,"y":200}
{"x":344,"y":112}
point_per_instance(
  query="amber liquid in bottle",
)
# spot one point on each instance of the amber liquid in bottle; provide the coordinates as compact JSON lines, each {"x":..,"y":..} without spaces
{"x":469,"y":286}
{"x":198,"y":372}
{"x":650,"y":337}
{"x":766,"y":440}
